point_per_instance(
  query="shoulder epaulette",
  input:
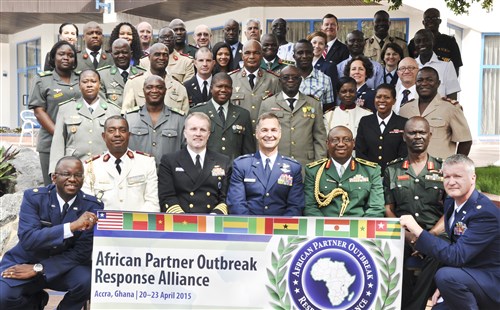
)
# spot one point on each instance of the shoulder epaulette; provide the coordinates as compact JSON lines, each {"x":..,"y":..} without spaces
{"x":91,"y":198}
{"x":143,"y":153}
{"x":452,"y":101}
{"x":92,"y":159}
{"x":102,"y":68}
{"x":40,"y":190}
{"x":200,"y":104}
{"x":245,"y":156}
{"x":45,"y":73}
{"x":178,"y":111}
{"x":175,"y":79}
{"x":400,"y":39}
{"x":193,"y":46}
{"x":135,"y":75}
{"x":439,"y":159}
{"x":318,"y":162}
{"x":186,"y":55}
{"x":134,"y":109}
{"x":370,"y":40}
{"x":267,"y":96}
{"x":114,"y":104}
{"x":64,"y":102}
{"x":397,"y":160}
{"x":273,"y":73}
{"x":290,"y":159}
{"x":235,"y":71}
{"x":141,"y":67}
{"x":366,"y":162}
{"x":286,"y":62}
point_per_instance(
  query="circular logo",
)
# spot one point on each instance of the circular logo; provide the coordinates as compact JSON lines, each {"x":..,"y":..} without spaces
{"x":330,"y":273}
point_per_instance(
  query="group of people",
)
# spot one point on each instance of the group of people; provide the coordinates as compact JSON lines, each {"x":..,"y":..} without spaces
{"x":266,"y":128}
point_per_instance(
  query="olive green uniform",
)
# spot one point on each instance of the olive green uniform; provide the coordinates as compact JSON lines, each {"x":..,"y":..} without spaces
{"x":361,"y":182}
{"x":48,"y":91}
{"x":112,"y":84}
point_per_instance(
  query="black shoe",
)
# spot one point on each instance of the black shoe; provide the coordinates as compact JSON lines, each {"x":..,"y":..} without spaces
{"x":44,"y":299}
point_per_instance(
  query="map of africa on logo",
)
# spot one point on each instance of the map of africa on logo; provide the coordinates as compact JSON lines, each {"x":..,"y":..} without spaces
{"x":336,"y":278}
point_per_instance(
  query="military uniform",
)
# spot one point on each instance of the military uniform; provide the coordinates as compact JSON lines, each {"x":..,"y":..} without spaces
{"x":448,"y":125}
{"x":166,"y":136}
{"x":373,"y":50}
{"x":445,"y":47}
{"x":181,"y":67}
{"x":134,"y":189}
{"x":48,"y":91}
{"x":348,"y":117}
{"x":235,"y":137}
{"x":189,"y":50}
{"x":78,"y":132}
{"x":267,"y":85}
{"x":133,"y":94}
{"x":182,"y":189}
{"x":252,"y":193}
{"x":303,"y":133}
{"x":358,"y":193}
{"x":85,"y":62}
{"x":422,"y":196}
{"x":276,"y":65}
{"x":112,"y":83}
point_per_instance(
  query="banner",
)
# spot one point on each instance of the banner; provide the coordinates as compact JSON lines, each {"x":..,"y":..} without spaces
{"x":159,"y":261}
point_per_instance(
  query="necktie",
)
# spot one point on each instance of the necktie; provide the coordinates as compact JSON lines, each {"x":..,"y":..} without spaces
{"x":204,"y":94}
{"x":388,"y":78}
{"x":251,"y":77}
{"x":125,"y":76}
{"x":198,"y":163}
{"x":91,"y":110}
{"x":342,"y":170}
{"x":382,"y":43}
{"x":64,"y":210}
{"x":406,"y":92}
{"x":95,"y":62}
{"x":220,"y":111}
{"x":118,"y":168}
{"x":453,"y":220}
{"x":291,"y":101}
{"x":267,"y":168}
{"x":269,"y":65}
{"x":382,"y":126}
{"x":233,"y":50}
{"x":325,"y":51}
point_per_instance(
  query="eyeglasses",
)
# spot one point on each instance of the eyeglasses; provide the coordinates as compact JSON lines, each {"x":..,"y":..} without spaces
{"x":403,"y":69}
{"x":294,"y":78}
{"x":68,"y":175}
{"x":344,"y":140}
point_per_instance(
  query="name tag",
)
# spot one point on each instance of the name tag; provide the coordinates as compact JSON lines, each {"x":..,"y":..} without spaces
{"x":246,"y":180}
{"x":136,"y":179}
{"x":179,"y":169}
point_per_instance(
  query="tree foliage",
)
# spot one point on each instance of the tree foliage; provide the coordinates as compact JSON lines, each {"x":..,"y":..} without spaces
{"x":456,"y":6}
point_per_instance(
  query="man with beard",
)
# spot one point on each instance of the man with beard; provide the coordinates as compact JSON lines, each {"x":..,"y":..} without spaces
{"x":155,"y":128}
{"x":375,"y":44}
{"x":414,"y":185}
{"x":94,"y":56}
{"x":113,"y":78}
{"x":121,"y":178}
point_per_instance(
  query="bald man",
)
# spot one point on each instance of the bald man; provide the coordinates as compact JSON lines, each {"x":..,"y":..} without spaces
{"x":181,"y":45}
{"x":93,"y":56}
{"x":406,"y":89}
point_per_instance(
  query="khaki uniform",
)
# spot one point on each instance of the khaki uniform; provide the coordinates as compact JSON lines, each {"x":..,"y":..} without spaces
{"x":112,"y":83}
{"x":78,"y":132}
{"x":133,"y":94}
{"x":303,"y":133}
{"x":134,"y":189}
{"x":179,"y":66}
{"x":345,"y":117}
{"x":361,"y":182}
{"x":448,"y":125}
{"x":267,"y":85}
{"x":373,"y":50}
{"x":166,"y":136}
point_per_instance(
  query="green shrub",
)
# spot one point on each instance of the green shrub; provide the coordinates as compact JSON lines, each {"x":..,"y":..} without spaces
{"x":6,"y":169}
{"x":488,"y":179}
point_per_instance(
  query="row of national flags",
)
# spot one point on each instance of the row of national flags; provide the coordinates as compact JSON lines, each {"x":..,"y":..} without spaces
{"x":324,"y":227}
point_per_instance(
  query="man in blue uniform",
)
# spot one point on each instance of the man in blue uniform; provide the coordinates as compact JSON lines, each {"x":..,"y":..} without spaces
{"x":55,"y":243}
{"x":471,"y":274}
{"x":266,"y":183}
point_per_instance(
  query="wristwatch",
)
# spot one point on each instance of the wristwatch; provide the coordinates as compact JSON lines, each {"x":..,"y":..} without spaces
{"x":38,"y":268}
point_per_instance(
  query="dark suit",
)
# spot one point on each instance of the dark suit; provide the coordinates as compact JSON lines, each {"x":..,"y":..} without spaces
{"x":251,"y":193}
{"x":379,"y":147}
{"x":237,"y":55}
{"x":366,"y":98}
{"x":329,"y":68}
{"x":181,"y":189}
{"x":233,"y":139}
{"x":471,"y":276}
{"x":194,"y":91}
{"x":66,"y":262}
{"x":389,"y":80}
{"x":337,"y":53}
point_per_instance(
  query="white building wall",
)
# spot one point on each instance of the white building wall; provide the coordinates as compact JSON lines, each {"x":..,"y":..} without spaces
{"x":5,"y":80}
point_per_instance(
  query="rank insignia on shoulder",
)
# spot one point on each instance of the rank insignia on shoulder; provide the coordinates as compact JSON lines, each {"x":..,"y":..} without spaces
{"x":317,"y":162}
{"x":144,"y":153}
{"x":103,"y":68}
{"x":452,"y":101}
{"x":92,"y":159}
{"x":397,"y":160}
{"x":366,"y":162}
{"x":235,"y":71}
{"x":178,"y":111}
{"x":134,"y":109}
{"x":135,"y":75}
{"x":64,"y":102}
{"x":45,"y":73}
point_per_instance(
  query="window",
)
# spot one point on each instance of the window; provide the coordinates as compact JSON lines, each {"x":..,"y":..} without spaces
{"x":489,"y":110}
{"x":28,"y":64}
